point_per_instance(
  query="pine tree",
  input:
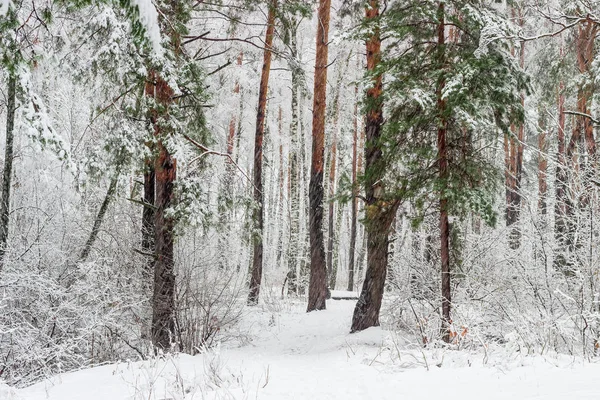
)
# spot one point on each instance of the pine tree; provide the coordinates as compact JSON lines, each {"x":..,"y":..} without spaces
{"x":450,"y":92}
{"x":317,"y":289}
{"x":256,"y":272}
{"x":380,"y":209}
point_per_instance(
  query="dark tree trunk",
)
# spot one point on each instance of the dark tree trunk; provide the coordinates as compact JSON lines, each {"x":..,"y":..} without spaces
{"x":148,"y":211}
{"x":443,"y":172}
{"x":257,"y":260}
{"x":8,"y":165}
{"x":379,"y":213}
{"x":112,"y":188}
{"x":165,"y":171}
{"x":163,"y":310}
{"x":366,"y":312}
{"x":317,"y":289}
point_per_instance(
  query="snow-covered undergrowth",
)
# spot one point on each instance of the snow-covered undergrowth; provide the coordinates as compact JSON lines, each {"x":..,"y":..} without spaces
{"x":294,"y":355}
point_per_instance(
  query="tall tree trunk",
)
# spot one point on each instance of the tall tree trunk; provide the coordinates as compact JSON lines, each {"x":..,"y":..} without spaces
{"x":586,"y":36}
{"x":443,"y":173}
{"x":582,"y":129}
{"x":148,"y":212}
{"x":163,"y":312}
{"x":379,"y":214}
{"x":112,"y":188}
{"x":165,"y":169}
{"x":515,"y":166}
{"x":585,"y":39}
{"x":354,"y":206}
{"x":8,"y":165}
{"x":317,"y":288}
{"x":257,"y":261}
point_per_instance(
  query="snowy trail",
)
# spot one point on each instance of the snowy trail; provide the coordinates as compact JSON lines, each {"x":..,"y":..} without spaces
{"x":295,"y":355}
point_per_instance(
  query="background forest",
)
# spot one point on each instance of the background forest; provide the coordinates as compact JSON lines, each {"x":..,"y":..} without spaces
{"x":172,"y":165}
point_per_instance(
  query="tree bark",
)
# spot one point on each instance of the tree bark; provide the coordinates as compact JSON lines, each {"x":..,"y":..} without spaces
{"x":256,"y":273}
{"x":443,"y":173}
{"x":148,"y":213}
{"x":515,"y":167}
{"x":8,"y":165}
{"x":379,"y":213}
{"x":317,"y":288}
{"x":165,"y":171}
{"x":163,"y":310}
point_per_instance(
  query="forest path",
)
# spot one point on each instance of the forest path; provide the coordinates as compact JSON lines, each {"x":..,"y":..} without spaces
{"x":295,"y":355}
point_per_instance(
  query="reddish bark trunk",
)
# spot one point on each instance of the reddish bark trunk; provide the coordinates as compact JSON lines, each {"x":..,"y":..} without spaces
{"x":379,"y":213}
{"x":163,"y":301}
{"x":233,"y":120}
{"x":317,"y":289}
{"x":256,"y":273}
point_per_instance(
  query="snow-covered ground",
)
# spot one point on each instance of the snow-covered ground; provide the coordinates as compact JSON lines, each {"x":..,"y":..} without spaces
{"x":294,"y":355}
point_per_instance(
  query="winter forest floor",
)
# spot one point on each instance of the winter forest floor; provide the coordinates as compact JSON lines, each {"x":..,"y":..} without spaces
{"x":285,"y":353}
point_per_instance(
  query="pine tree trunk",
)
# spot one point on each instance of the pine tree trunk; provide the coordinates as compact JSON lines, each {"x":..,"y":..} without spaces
{"x":148,"y":215}
{"x":165,"y":171}
{"x":257,"y":261}
{"x":443,"y":173}
{"x":585,"y":39}
{"x":317,"y":288}
{"x":379,"y":214}
{"x":586,"y":36}
{"x":8,"y":165}
{"x":163,"y":310}
{"x":515,"y":168}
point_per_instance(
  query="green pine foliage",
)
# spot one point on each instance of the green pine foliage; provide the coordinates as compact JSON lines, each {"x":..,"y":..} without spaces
{"x":482,"y":92}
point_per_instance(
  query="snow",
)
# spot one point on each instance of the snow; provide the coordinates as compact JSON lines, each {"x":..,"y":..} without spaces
{"x":149,"y":19}
{"x":294,"y":355}
{"x":4,"y":4}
